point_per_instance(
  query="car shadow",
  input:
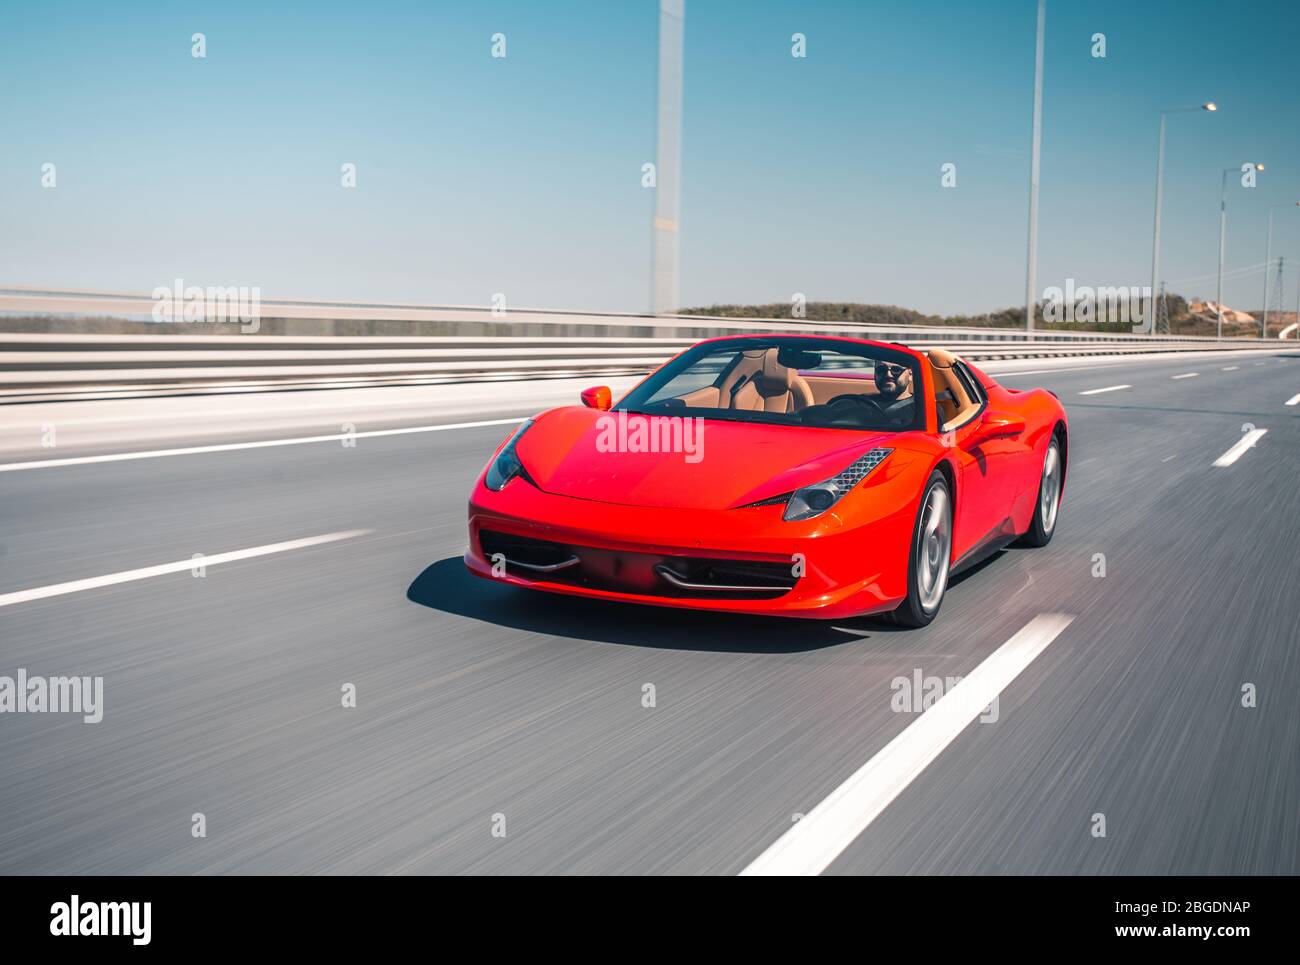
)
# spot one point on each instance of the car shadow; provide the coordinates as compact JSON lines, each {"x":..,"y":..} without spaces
{"x":448,"y":587}
{"x":981,"y":566}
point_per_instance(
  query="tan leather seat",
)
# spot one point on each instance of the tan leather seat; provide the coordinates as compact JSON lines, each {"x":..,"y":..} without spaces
{"x":760,"y":383}
{"x":955,"y":406}
{"x":750,"y":363}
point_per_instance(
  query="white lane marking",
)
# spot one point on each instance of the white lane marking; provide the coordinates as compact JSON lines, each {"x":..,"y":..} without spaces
{"x":229,"y":447}
{"x":1167,"y":458}
{"x":1186,"y":375}
{"x":1231,"y":368}
{"x":1294,"y":400}
{"x":144,"y":573}
{"x":821,"y":836}
{"x":1109,"y":388}
{"x":1239,"y":449}
{"x":989,"y":366}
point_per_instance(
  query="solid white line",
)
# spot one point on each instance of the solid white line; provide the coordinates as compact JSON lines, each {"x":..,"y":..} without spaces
{"x":1109,"y":388}
{"x":1167,"y":458}
{"x":1238,"y":450}
{"x":229,"y":447}
{"x":128,"y":576}
{"x":1294,"y":400}
{"x":1186,"y":375}
{"x":1231,"y":368}
{"x":823,"y":834}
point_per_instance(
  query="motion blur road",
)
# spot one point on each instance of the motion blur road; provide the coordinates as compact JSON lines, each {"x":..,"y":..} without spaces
{"x":222,"y":693}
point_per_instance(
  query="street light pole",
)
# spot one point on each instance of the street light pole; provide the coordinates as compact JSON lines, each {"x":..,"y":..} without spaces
{"x":1031,"y":272}
{"x":665,"y":298}
{"x":1223,"y":230}
{"x":1268,"y":255}
{"x":1160,"y":173}
{"x":1155,"y":242}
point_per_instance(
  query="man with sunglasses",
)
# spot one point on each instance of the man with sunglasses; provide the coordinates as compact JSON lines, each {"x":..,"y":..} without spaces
{"x":892,"y":384}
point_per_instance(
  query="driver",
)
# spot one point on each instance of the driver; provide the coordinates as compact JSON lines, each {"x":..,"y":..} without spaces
{"x":893,"y":382}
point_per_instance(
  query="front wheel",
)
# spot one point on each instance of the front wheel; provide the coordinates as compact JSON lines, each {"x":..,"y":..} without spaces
{"x":1049,"y":498}
{"x":927,"y":568}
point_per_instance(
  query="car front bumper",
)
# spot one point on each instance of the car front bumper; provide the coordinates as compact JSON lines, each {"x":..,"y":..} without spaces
{"x":644,"y":555}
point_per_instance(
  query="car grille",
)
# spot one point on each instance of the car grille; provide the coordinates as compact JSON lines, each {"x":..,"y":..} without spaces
{"x":646,"y":574}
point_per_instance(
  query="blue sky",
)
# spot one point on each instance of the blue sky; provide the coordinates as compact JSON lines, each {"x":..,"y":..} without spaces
{"x":478,"y":175}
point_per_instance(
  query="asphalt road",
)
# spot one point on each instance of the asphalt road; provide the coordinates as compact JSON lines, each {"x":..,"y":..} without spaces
{"x":480,"y":706}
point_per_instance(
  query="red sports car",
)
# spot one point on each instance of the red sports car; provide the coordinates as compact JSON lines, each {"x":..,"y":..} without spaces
{"x":787,"y":475}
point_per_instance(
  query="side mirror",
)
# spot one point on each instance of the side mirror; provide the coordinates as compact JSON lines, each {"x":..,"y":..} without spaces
{"x":601,"y":398}
{"x":997,"y":425}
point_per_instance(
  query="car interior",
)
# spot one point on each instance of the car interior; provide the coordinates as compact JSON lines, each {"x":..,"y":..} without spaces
{"x":761,"y":381}
{"x":829,"y":389}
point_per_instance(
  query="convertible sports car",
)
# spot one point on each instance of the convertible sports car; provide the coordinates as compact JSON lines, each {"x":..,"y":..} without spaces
{"x":787,"y":475}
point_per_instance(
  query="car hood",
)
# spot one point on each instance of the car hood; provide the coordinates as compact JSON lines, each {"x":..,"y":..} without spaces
{"x":588,"y":454}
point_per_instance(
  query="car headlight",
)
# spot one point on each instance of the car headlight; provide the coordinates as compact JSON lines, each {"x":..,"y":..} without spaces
{"x":814,"y":500}
{"x":505,"y":466}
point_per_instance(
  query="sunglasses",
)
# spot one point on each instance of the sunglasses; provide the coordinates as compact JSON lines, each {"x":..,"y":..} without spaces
{"x":885,"y":368}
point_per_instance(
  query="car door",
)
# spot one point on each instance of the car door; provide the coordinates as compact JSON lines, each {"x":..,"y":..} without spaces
{"x":981,"y":505}
{"x":995,"y":472}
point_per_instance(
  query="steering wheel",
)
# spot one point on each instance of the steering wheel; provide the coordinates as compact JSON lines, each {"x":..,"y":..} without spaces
{"x":850,"y":400}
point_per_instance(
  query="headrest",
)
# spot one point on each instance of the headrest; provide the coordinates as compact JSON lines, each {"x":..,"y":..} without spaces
{"x":941,"y":358}
{"x":775,"y":376}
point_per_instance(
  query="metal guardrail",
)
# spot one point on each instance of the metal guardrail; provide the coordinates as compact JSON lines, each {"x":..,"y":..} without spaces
{"x":38,"y":365}
{"x":135,"y":305}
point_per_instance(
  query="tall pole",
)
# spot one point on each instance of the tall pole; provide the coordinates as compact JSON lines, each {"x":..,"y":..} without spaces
{"x":1280,"y":282}
{"x":1223,"y":228}
{"x":1223,"y":232}
{"x":1155,"y":240}
{"x":1268,"y":254}
{"x":668,"y":156}
{"x":1031,"y":272}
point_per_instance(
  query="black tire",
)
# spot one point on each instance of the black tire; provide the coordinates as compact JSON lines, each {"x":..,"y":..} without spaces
{"x":1043,"y":526}
{"x":915,"y":610}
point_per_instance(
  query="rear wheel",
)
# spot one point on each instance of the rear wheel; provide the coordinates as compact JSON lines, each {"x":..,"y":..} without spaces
{"x":927,"y":569}
{"x":1049,"y":497}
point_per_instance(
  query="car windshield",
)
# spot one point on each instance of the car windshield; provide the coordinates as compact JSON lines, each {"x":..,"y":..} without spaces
{"x":787,"y":381}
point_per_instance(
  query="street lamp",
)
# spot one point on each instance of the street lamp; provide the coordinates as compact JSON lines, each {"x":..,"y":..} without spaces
{"x":1160,"y":172}
{"x":1223,"y":228}
{"x":1268,"y":255}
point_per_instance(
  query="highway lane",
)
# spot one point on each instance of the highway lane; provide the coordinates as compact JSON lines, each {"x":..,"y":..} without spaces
{"x":1139,"y":715}
{"x":222,"y":692}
